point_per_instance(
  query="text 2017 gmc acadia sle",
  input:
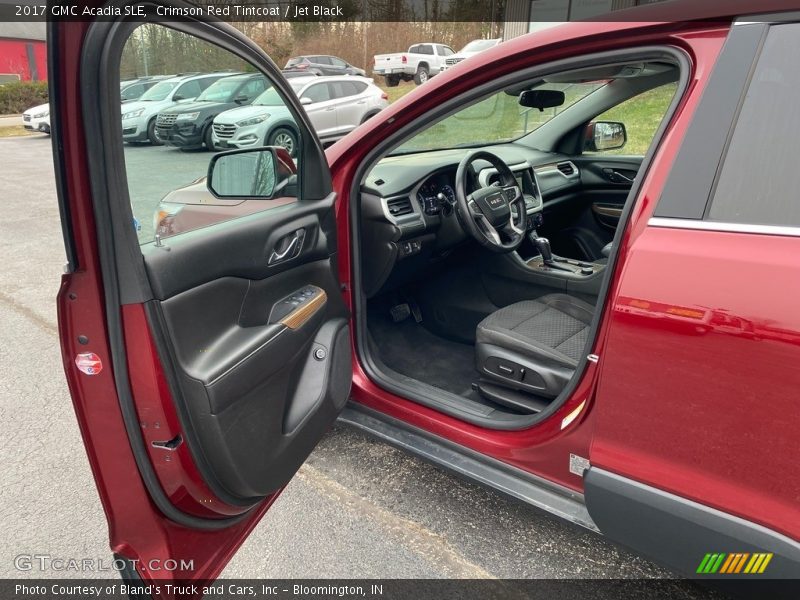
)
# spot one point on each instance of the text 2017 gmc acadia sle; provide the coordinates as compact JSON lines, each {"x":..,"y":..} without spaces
{"x":507,"y":272}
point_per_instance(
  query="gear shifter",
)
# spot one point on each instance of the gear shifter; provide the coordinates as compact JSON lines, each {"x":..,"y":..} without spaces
{"x":543,"y":246}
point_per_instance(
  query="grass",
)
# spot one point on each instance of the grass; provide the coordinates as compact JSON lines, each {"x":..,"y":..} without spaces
{"x":14,"y":131}
{"x":501,"y":118}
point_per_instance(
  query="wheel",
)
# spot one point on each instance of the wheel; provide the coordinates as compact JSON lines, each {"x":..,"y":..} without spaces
{"x":285,"y":138}
{"x":421,"y":76}
{"x":392,"y":80}
{"x":208,"y":140}
{"x":152,"y":135}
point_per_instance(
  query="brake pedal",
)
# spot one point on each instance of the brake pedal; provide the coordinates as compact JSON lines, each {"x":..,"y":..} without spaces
{"x":400,"y":312}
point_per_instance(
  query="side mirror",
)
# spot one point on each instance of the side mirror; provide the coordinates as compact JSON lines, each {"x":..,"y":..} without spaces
{"x":249,"y":173}
{"x":604,"y":135}
{"x":305,"y":101}
{"x":241,"y":99}
{"x":178,"y":98}
{"x":541,"y":99}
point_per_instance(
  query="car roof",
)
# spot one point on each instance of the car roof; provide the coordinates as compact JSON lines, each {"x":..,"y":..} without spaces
{"x":323,"y":78}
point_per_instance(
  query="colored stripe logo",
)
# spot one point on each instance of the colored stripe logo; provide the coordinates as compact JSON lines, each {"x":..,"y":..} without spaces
{"x":734,"y":563}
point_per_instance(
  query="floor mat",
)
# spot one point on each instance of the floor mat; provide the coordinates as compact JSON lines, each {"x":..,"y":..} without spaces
{"x":410,"y":349}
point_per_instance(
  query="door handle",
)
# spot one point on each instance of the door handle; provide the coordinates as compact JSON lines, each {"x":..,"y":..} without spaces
{"x":616,"y":177}
{"x":330,"y":109}
{"x":288,"y":247}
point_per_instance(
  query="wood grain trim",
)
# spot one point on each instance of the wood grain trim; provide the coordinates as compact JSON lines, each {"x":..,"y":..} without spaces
{"x":607,"y":211}
{"x":300,"y":316}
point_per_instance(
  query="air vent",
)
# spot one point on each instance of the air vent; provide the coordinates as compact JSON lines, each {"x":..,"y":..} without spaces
{"x":399,"y":206}
{"x":566,"y":168}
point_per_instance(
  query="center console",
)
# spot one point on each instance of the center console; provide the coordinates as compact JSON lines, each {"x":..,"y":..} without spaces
{"x":558,"y":266}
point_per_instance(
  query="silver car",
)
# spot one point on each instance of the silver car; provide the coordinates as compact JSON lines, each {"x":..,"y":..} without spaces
{"x":335,"y":105}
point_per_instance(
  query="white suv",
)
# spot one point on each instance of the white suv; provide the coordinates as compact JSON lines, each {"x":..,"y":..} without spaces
{"x":37,"y":118}
{"x":335,"y":106}
{"x":139,"y":117}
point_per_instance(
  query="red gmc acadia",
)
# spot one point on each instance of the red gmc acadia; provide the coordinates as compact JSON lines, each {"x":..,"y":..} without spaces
{"x":507,"y":272}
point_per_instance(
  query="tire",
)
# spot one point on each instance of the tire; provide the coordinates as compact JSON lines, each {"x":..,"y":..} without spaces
{"x":208,"y":140}
{"x":392,"y":80}
{"x":152,"y":135}
{"x":285,"y":138}
{"x":422,"y":75}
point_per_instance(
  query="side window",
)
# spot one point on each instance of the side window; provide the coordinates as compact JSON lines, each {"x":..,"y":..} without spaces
{"x":190,"y":89}
{"x":641,"y":116}
{"x":343,"y":89}
{"x":358,"y":86}
{"x":169,"y":189}
{"x":322,"y":60}
{"x":756,"y":183}
{"x":132,"y":91}
{"x":336,"y":62}
{"x":447,"y":51}
{"x":414,"y":50}
{"x":426,"y":49}
{"x":319,"y":92}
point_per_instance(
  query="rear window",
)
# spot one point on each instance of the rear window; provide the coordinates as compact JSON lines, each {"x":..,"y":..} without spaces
{"x":757,"y":183}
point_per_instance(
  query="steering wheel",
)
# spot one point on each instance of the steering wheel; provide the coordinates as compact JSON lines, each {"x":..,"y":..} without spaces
{"x":486,"y":213}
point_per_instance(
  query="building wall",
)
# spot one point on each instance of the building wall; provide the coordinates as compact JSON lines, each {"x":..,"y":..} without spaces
{"x":521,"y":15}
{"x":27,"y":59}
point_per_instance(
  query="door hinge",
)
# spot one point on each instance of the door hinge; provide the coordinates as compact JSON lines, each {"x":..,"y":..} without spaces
{"x":578,"y":464}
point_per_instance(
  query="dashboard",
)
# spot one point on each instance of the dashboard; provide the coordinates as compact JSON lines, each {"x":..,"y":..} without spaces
{"x":408,"y":203}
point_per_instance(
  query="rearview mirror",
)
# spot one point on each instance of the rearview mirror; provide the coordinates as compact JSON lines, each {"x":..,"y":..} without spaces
{"x":305,"y":101}
{"x":541,"y":99}
{"x":605,"y":135}
{"x":250,"y":173}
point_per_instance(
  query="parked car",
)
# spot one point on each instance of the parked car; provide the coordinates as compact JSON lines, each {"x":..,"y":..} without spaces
{"x":470,"y":49}
{"x":322,"y":64}
{"x":132,"y":89}
{"x":139,"y":117}
{"x":421,"y":62}
{"x":189,"y":126}
{"x":408,"y":290}
{"x":335,"y":106}
{"x":37,"y":118}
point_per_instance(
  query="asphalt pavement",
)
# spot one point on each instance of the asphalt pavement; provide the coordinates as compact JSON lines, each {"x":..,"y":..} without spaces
{"x":357,"y":508}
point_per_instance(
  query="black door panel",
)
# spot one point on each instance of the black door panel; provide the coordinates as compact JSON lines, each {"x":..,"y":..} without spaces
{"x":260,"y":352}
{"x":240,"y":247}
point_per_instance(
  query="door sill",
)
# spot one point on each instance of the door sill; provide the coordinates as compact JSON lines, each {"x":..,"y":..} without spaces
{"x":531,"y":489}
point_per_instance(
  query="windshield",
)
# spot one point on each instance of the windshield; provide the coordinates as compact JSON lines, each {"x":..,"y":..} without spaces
{"x":499,"y":118}
{"x":220,"y":91}
{"x":478,"y":45}
{"x":271,"y":97}
{"x":159,"y":91}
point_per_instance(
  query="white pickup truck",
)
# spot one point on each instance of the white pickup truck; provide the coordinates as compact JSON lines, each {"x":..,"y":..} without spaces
{"x":421,"y":62}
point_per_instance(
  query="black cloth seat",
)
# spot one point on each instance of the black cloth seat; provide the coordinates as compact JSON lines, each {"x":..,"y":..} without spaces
{"x":534,"y":345}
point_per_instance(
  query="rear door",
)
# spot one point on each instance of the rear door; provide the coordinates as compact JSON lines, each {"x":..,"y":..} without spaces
{"x":204,"y":335}
{"x":351,"y":105}
{"x":692,"y":458}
